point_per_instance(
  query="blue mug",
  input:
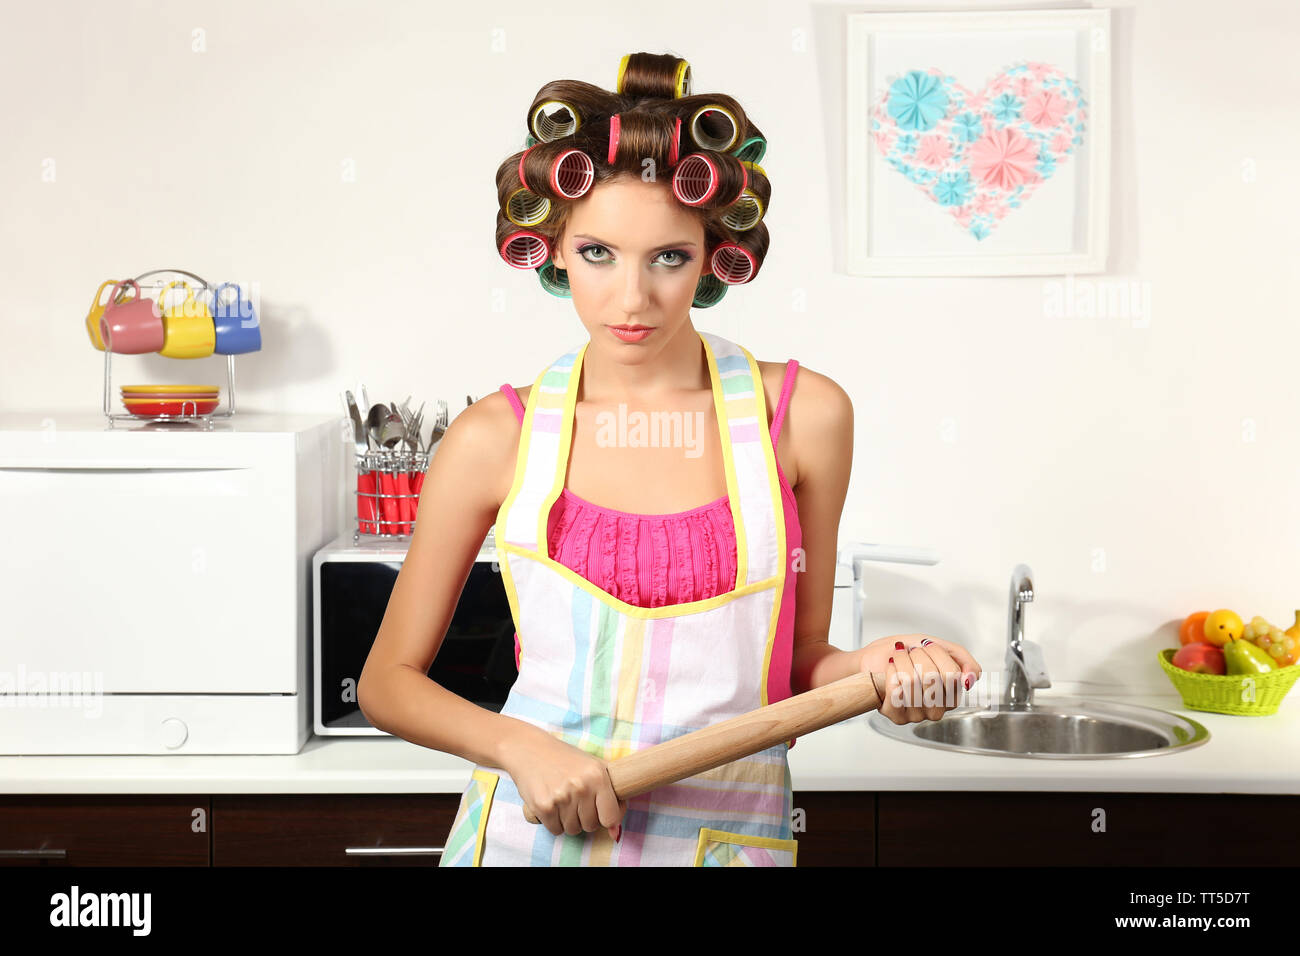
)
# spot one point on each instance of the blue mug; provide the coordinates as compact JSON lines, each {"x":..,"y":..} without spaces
{"x":238,"y":329}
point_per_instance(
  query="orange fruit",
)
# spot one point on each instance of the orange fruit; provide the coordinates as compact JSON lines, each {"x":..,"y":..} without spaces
{"x":1222,"y":626}
{"x":1193,"y":628}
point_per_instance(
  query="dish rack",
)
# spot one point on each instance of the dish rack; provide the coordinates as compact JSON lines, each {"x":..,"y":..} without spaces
{"x":163,"y":277}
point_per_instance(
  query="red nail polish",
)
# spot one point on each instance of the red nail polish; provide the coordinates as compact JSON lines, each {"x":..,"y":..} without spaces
{"x":618,"y":833}
{"x":970,"y":679}
{"x":898,"y":645}
{"x":891,"y":660}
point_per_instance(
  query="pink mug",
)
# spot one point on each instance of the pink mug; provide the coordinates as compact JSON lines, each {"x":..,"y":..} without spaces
{"x":132,"y":327}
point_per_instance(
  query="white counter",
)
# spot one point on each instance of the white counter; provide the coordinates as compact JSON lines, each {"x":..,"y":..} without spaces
{"x":1243,"y":755}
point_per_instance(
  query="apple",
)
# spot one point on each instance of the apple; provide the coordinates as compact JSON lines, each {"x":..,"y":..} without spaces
{"x":1200,"y":658}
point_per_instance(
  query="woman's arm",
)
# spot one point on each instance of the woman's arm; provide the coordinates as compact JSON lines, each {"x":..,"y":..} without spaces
{"x":820,"y":421}
{"x":458,"y":503}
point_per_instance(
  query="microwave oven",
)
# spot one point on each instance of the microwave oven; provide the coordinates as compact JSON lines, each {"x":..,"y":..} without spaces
{"x":352,"y":581}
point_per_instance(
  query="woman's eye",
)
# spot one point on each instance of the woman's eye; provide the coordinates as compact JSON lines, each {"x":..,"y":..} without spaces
{"x":680,"y":258}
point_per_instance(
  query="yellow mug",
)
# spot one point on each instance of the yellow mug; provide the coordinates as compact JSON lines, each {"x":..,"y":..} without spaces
{"x":97,"y":310}
{"x":188,"y":329}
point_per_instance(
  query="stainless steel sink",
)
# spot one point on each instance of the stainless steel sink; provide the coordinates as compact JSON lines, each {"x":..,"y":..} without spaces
{"x":1055,"y":727}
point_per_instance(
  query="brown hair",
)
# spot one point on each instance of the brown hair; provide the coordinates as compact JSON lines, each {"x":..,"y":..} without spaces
{"x":567,"y":153}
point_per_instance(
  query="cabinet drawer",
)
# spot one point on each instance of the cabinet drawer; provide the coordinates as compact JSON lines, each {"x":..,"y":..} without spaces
{"x":331,"y":829}
{"x":99,"y":830}
{"x":839,"y":828}
{"x":1062,"y":829}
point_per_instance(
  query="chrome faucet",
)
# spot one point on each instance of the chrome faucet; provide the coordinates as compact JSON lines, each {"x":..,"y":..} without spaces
{"x":1024,"y":663}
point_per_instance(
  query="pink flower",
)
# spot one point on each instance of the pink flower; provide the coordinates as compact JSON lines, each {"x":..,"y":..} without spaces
{"x":999,"y":212}
{"x":1003,"y":159}
{"x":976,"y":101}
{"x":1061,"y":144}
{"x":1041,"y":70}
{"x":983,"y":203}
{"x":933,"y":151}
{"x":1045,"y":108}
{"x":884,"y":140}
{"x":1023,"y":86}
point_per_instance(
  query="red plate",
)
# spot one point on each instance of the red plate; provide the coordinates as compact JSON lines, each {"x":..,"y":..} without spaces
{"x":149,"y":408}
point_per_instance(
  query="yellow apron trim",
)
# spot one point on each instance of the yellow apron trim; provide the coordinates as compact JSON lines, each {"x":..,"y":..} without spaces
{"x":487,"y":785}
{"x":710,"y":837}
{"x":632,"y":610}
{"x":778,"y":510}
{"x":724,"y":434}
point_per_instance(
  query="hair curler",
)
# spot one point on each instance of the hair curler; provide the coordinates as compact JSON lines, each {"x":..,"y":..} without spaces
{"x":713,"y":127}
{"x":675,"y":148}
{"x":525,"y":249}
{"x":522,"y":157}
{"x":614,"y":127}
{"x":546,"y":127}
{"x":526,"y":208}
{"x":708,"y":291}
{"x":572,"y":173}
{"x":732,"y":263}
{"x":744,"y":213}
{"x":554,"y":279}
{"x":681,"y":77}
{"x":695,"y":179}
{"x":751,"y":150}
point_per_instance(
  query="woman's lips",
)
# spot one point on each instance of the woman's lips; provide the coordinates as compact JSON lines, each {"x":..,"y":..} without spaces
{"x":631,"y":335}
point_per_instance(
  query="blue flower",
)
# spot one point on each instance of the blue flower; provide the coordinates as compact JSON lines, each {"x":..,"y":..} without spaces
{"x":952,"y":188}
{"x":906,"y":143}
{"x":917,"y":100}
{"x":979,"y":230}
{"x":919,"y":174}
{"x":1006,"y":107}
{"x":1046,"y":164}
{"x":968,"y":127}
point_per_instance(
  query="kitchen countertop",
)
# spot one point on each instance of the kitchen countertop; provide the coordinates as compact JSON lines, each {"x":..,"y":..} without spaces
{"x":1243,"y":755}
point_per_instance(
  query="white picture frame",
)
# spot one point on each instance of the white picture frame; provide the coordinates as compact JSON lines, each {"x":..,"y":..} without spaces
{"x":1012,"y":186}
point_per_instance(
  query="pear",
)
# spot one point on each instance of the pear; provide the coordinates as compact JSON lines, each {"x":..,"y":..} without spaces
{"x":1242,"y":657}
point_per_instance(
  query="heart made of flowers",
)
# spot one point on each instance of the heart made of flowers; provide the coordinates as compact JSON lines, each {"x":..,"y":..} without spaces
{"x":979,"y":155}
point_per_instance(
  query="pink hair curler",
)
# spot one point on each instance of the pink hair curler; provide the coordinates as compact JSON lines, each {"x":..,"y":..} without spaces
{"x":523,"y":181}
{"x":572,"y":173}
{"x":677,"y":143}
{"x":732,"y":263}
{"x":615,"y":127}
{"x":525,"y":249}
{"x":695,"y":179}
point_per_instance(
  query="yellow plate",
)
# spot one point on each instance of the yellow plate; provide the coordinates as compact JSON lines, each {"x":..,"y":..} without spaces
{"x":155,"y":389}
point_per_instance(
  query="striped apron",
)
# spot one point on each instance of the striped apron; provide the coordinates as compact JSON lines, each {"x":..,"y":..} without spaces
{"x":611,"y":678}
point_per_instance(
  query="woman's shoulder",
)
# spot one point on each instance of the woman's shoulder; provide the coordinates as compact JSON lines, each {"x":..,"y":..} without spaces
{"x":817,"y":411}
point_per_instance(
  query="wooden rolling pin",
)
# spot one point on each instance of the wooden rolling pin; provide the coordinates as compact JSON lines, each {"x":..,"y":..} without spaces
{"x":740,"y":736}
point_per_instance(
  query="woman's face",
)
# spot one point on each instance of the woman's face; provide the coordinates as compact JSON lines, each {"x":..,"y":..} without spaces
{"x":633,"y":255}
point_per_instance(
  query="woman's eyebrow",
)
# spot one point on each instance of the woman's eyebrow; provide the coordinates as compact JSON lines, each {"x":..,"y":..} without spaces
{"x":666,"y":245}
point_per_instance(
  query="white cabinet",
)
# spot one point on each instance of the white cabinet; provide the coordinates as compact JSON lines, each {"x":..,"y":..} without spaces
{"x":154,"y":581}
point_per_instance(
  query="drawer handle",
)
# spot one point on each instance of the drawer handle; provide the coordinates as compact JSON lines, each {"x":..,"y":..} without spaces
{"x":394,"y":850}
{"x":44,"y":853}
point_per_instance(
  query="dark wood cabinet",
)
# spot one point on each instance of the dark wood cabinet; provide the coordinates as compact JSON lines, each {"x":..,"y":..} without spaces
{"x":834,"y":828}
{"x":1017,"y":828}
{"x":109,"y":830}
{"x":331,"y":829}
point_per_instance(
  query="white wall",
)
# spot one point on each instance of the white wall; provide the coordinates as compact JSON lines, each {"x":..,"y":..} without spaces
{"x":1144,"y":469}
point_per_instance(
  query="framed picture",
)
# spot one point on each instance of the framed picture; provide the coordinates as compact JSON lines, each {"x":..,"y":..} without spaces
{"x":978,"y":143}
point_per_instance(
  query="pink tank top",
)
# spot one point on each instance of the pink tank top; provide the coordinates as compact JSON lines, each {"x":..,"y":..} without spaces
{"x":661,"y":559}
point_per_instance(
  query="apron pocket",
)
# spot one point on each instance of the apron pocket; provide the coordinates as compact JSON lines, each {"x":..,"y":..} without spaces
{"x":723,"y":848}
{"x":464,"y":845}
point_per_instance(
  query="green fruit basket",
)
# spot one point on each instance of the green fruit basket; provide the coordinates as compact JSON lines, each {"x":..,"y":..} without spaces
{"x":1249,"y":695}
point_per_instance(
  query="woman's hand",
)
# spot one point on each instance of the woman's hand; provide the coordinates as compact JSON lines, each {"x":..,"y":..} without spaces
{"x":925,"y":677}
{"x":568,"y":789}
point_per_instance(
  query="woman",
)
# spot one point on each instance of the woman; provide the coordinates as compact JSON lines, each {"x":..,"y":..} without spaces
{"x":646,"y":615}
